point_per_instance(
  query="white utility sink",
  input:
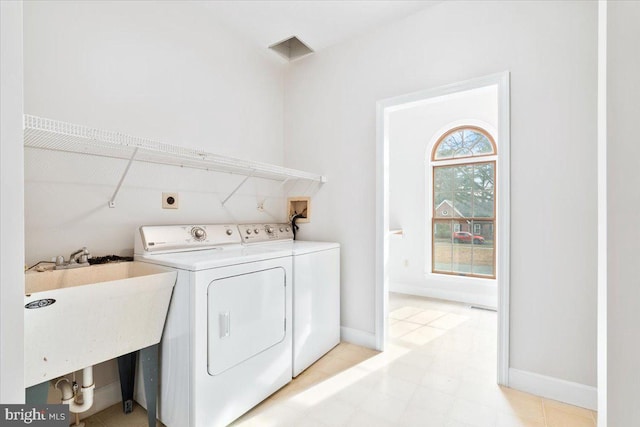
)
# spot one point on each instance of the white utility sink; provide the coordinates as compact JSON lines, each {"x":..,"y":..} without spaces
{"x":99,"y":313}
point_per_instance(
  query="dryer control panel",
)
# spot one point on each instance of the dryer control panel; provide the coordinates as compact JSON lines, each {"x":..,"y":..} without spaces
{"x":261,"y":233}
{"x":188,"y":237}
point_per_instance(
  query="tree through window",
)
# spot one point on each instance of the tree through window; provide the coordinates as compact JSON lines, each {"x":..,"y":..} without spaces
{"x":463,"y":217}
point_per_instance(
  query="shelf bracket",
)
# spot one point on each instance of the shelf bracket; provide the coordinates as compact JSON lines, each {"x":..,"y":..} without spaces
{"x":238,"y":187}
{"x":112,"y":202}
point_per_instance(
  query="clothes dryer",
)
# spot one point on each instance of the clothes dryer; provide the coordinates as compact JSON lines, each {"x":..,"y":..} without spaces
{"x":227,"y":342}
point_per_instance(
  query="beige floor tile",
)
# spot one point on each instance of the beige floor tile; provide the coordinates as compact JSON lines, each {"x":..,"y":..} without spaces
{"x":558,"y":418}
{"x":449,"y":321}
{"x":395,"y":387}
{"x":332,"y":412}
{"x":384,"y":407}
{"x":425,"y":316}
{"x":521,"y":404}
{"x":277,"y":415}
{"x":505,"y":420}
{"x":443,"y":383}
{"x":473,"y":413}
{"x":414,"y":417}
{"x":331,"y":365}
{"x":352,"y":353}
{"x":571,"y":409}
{"x":455,"y":423}
{"x":310,"y":422}
{"x":403,"y":371}
{"x":364,"y":419}
{"x":434,"y":401}
{"x":404,"y":312}
{"x":421,"y":335}
{"x":353,"y":394}
{"x":419,"y":360}
{"x":401,"y":328}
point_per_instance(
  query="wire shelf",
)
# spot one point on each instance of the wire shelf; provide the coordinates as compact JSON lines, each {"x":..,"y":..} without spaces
{"x":55,"y":135}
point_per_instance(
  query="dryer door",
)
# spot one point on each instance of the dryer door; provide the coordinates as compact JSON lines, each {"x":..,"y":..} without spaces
{"x":246,"y":315}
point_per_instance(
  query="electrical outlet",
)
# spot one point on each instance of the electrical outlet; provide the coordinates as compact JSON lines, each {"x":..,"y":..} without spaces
{"x":169,"y":200}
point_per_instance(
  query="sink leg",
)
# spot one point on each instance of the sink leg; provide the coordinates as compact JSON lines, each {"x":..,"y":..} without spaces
{"x":127,"y":372}
{"x":149,"y":359}
{"x":37,"y":394}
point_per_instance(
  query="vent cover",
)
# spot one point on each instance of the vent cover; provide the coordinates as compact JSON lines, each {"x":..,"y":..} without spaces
{"x":291,"y":49}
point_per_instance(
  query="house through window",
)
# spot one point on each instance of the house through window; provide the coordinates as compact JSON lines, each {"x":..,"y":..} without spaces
{"x":463,"y":195}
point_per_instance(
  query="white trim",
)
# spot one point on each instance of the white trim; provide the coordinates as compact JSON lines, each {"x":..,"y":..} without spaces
{"x":479,"y":299}
{"x":358,"y":337}
{"x":554,"y":388}
{"x":11,"y":204}
{"x":602,"y":213}
{"x":502,"y":231}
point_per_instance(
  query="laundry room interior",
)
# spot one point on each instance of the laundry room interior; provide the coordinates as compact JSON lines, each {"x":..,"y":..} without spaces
{"x":260,"y":179}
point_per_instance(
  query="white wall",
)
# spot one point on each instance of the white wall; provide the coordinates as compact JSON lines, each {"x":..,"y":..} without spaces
{"x":163,"y":70}
{"x":11,"y":205}
{"x":412,"y":133}
{"x":550,"y":49}
{"x":623,"y":152}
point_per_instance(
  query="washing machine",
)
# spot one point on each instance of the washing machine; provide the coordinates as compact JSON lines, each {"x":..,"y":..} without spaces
{"x":227,"y":341}
{"x":316,"y":289}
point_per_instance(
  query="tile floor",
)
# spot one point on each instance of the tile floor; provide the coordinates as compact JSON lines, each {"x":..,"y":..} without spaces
{"x":439,"y":369}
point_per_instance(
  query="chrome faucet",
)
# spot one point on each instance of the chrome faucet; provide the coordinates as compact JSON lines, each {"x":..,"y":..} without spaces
{"x":79,"y":258}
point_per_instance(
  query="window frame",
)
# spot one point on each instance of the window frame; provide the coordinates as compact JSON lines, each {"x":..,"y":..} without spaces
{"x":456,"y":129}
{"x":463,"y":161}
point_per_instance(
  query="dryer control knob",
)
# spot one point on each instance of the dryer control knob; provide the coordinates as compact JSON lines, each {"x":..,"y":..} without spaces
{"x":229,"y":232}
{"x":248,"y":231}
{"x":198,"y":233}
{"x":287,"y":229}
{"x":269,"y":229}
{"x":256,"y":231}
{"x":281,"y":229}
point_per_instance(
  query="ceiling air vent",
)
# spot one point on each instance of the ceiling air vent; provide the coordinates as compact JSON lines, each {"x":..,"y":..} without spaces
{"x":291,"y":49}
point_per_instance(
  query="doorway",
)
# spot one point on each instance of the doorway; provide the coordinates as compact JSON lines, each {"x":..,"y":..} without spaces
{"x":388,"y":228}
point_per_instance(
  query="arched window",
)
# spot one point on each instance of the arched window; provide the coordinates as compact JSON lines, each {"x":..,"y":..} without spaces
{"x":463,"y":196}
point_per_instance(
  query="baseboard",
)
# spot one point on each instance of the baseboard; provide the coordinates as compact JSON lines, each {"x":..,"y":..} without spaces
{"x":554,"y":388}
{"x":104,"y":397}
{"x":358,"y":337}
{"x":445,"y":294}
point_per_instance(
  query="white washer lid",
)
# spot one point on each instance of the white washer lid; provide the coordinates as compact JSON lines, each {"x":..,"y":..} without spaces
{"x":214,"y":258}
{"x":301,"y":247}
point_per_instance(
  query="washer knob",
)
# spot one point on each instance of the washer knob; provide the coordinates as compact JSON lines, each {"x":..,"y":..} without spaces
{"x":281,"y":229}
{"x":248,"y":231}
{"x":256,"y":231}
{"x":269,"y":229}
{"x":287,"y":229}
{"x":198,"y":233}
{"x":229,"y":232}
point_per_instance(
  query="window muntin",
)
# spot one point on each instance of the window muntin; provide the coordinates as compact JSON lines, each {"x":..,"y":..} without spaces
{"x":463,"y":196}
{"x":464,"y":141}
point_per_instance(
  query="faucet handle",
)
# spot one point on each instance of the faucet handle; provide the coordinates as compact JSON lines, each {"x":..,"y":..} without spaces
{"x":60,"y":260}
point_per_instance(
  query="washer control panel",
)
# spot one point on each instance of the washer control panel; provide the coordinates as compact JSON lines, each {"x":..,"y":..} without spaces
{"x":259,"y":233}
{"x":173,"y":238}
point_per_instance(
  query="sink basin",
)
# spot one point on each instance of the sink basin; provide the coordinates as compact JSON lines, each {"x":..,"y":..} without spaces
{"x":80,"y":317}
